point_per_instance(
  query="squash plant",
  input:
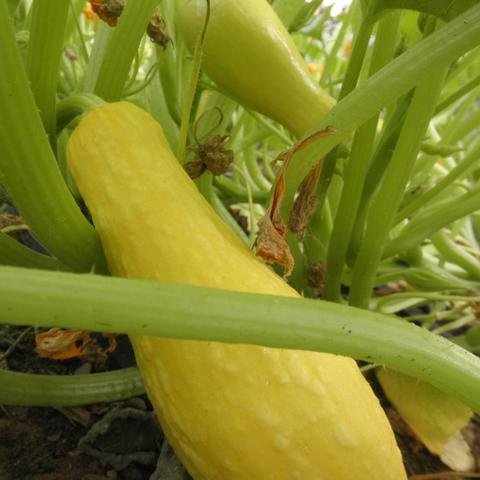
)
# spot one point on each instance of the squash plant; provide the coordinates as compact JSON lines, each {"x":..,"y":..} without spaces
{"x":371,"y":201}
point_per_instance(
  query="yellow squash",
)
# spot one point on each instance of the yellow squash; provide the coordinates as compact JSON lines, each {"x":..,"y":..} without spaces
{"x":231,"y":412}
{"x":251,"y":56}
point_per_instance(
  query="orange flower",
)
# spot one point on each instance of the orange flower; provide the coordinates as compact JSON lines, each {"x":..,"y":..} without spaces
{"x":58,"y":344}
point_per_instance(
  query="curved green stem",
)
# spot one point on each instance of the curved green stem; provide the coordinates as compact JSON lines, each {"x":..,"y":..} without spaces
{"x":121,"y":49}
{"x":142,"y":307}
{"x":29,"y":169}
{"x":45,"y":48}
{"x":454,"y":253}
{"x":71,"y":107}
{"x":30,"y":390}
{"x":237,"y":192}
{"x":254,"y":170}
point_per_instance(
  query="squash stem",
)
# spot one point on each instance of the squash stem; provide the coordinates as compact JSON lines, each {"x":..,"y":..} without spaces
{"x":121,"y":49}
{"x":31,"y":390}
{"x":45,"y":48}
{"x":386,"y":202}
{"x":142,"y":307}
{"x":29,"y":169}
{"x":192,"y":88}
{"x":357,"y":167}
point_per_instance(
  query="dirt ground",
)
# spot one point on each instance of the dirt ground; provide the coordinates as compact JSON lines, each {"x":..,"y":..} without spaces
{"x":65,"y":443}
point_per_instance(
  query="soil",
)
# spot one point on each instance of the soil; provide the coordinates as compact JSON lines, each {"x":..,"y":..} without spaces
{"x":46,"y":443}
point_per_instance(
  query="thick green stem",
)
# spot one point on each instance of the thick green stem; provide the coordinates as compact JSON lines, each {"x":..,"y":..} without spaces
{"x":394,"y":80}
{"x":142,"y":307}
{"x":357,"y":167}
{"x":387,"y":199}
{"x":121,"y":49}
{"x":68,"y":390}
{"x":45,"y":47}
{"x":29,"y":169}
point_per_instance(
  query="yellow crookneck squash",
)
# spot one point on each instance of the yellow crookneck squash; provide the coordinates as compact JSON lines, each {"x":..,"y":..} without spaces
{"x":251,"y":56}
{"x":231,"y":412}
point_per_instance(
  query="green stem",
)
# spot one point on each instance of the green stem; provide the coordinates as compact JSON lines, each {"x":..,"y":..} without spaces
{"x":432,"y":220}
{"x":192,"y":89}
{"x":385,"y":204}
{"x":101,"y":40}
{"x":237,"y":193}
{"x":29,"y":169}
{"x":454,"y":97}
{"x":394,"y":80}
{"x":254,"y":170}
{"x":357,"y":168}
{"x":433,"y":297}
{"x":270,"y":127}
{"x":121,"y":49}
{"x":462,"y":169}
{"x":357,"y":57}
{"x":73,"y":106}
{"x":463,"y":127}
{"x":74,"y":28}
{"x":454,"y":253}
{"x":69,"y":390}
{"x":45,"y":48}
{"x":473,"y":336}
{"x":205,"y":185}
{"x":15,"y":254}
{"x":331,"y":60}
{"x":142,"y":307}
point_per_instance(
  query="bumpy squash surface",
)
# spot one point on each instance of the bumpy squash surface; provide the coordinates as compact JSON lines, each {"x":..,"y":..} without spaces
{"x":232,"y":412}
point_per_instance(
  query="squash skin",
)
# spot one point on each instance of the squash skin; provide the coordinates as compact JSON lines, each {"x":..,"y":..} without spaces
{"x":231,"y":412}
{"x":251,"y":56}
